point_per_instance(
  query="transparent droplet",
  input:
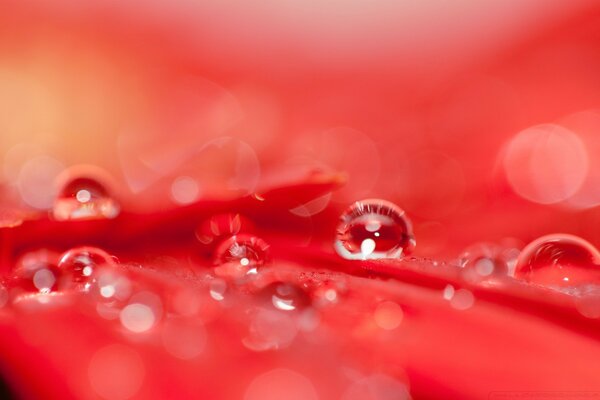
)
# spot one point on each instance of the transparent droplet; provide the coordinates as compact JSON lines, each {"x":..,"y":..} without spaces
{"x":372,"y":229}
{"x":79,"y":265}
{"x":35,"y":272}
{"x":84,"y":198}
{"x":286,"y":296}
{"x":485,"y":260}
{"x":559,"y":260}
{"x":240,"y":255}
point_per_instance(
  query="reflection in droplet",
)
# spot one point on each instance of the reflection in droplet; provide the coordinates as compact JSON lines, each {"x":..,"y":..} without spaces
{"x":222,"y":226}
{"x":286,"y":296}
{"x":559,"y":260}
{"x":217,"y":289}
{"x":372,"y":229}
{"x":84,"y":198}
{"x":78,"y":265}
{"x":239,"y":255}
{"x":116,"y":372}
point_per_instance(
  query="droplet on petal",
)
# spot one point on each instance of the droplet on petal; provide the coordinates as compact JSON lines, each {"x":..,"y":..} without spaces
{"x":84,"y":198}
{"x":286,"y":296}
{"x":559,"y":260}
{"x":240,"y":255}
{"x":484,"y":260}
{"x":79,"y":265}
{"x":372,"y":229}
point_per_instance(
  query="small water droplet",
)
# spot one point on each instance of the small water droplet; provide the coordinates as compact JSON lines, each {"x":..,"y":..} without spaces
{"x":484,"y":260}
{"x":372,"y":229}
{"x":559,"y":260}
{"x":79,"y":265}
{"x":240,"y":255}
{"x":36,"y":272}
{"x":84,"y":198}
{"x":222,"y":226}
{"x":286,"y":296}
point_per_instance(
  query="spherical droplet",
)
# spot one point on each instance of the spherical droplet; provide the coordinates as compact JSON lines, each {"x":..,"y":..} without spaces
{"x":372,"y":229}
{"x":84,"y":198}
{"x":240,"y":255}
{"x":286,"y":296}
{"x":79,"y":265}
{"x":559,"y":260}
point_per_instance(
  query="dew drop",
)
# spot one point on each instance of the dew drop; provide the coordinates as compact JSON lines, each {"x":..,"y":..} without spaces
{"x":372,"y":229}
{"x":79,"y":265}
{"x":240,"y":255}
{"x":84,"y":198}
{"x":559,"y":260}
{"x":286,"y":296}
{"x":485,"y":260}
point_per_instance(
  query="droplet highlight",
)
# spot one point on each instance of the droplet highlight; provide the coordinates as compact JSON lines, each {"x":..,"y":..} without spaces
{"x":372,"y":229}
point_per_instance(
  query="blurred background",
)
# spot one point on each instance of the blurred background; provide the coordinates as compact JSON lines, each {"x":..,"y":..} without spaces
{"x":481,"y":119}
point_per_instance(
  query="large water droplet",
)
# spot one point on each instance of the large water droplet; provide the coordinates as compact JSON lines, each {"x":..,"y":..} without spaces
{"x":84,"y":198}
{"x":240,"y":255}
{"x":372,"y":229}
{"x":559,"y":260}
{"x":80,"y":264}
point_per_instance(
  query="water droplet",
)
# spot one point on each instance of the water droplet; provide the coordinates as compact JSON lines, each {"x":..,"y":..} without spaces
{"x":484,"y":260}
{"x":240,"y":255}
{"x":372,"y":229}
{"x":286,"y":296}
{"x":84,"y":198}
{"x":559,"y":260}
{"x":79,"y":265}
{"x":36,"y":272}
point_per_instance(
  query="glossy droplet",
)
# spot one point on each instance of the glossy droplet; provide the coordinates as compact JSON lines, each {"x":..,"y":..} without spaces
{"x":372,"y":229}
{"x":240,"y":255}
{"x":84,"y":198}
{"x":79,"y":265}
{"x":36,"y":272}
{"x":286,"y":296}
{"x":559,"y":260}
